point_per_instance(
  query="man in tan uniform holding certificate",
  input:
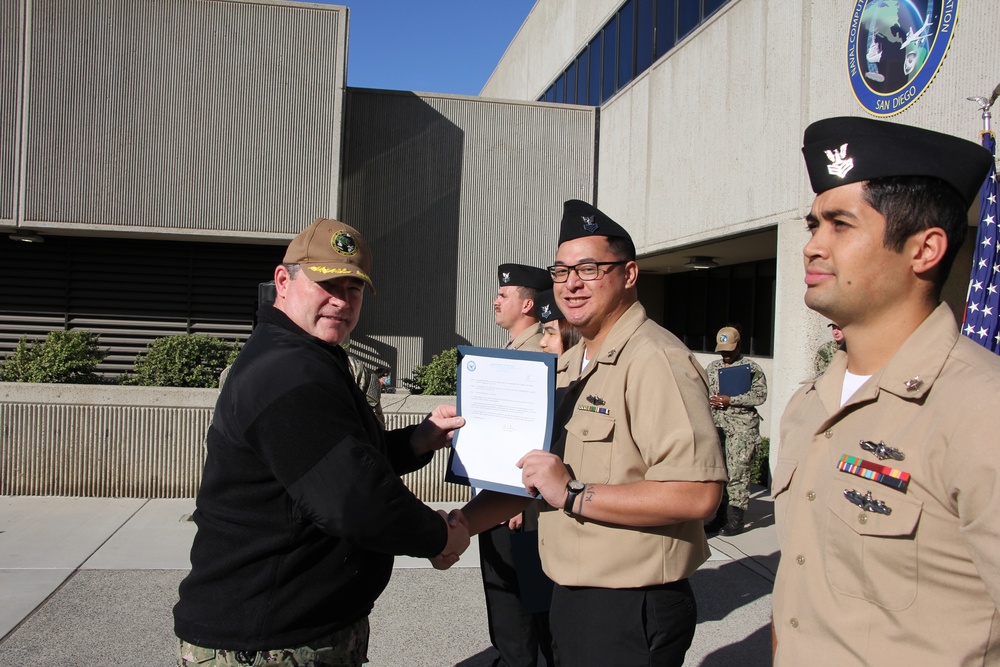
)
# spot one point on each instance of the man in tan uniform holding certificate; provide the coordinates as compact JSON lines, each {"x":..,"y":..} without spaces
{"x":635,"y":465}
{"x":887,"y":502}
{"x":517,"y":633}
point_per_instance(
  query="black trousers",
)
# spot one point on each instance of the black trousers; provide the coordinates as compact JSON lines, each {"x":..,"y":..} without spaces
{"x":597,"y":627}
{"x":517,"y":634}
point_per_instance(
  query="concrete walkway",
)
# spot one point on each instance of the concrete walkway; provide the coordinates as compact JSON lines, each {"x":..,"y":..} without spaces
{"x":92,"y":581}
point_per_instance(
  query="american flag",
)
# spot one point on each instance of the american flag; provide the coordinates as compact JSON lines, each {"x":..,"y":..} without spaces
{"x":982,"y":305}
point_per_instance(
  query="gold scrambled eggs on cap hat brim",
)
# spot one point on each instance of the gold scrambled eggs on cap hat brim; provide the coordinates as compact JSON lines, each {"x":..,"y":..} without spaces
{"x":329,"y":249}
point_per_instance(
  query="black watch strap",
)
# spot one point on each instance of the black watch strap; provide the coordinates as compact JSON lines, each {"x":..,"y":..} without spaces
{"x":573,"y":490}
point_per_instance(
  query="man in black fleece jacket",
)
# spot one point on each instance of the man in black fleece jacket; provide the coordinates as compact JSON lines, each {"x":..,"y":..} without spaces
{"x":301,"y":508}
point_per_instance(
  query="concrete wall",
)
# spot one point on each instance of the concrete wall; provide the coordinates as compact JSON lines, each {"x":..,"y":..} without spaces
{"x":705,"y":144}
{"x":190,"y":117}
{"x":445,"y":188}
{"x":142,"y":442}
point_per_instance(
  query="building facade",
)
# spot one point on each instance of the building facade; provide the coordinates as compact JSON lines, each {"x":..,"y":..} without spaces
{"x":166,"y":152}
{"x":698,"y":150}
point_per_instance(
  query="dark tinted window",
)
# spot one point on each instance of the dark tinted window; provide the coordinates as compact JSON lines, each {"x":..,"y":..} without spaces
{"x":639,"y":33}
{"x":595,"y":70}
{"x":583,"y":79}
{"x":643,"y":36}
{"x":688,"y":16}
{"x":665,"y":25}
{"x":626,"y":43}
{"x":610,"y":49}
{"x":571,"y":84}
{"x":710,"y":6}
{"x":699,"y":303}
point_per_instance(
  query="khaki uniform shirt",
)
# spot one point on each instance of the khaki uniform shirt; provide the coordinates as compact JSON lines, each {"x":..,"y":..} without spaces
{"x":527,"y":340}
{"x":655,"y":426}
{"x":921,"y":585}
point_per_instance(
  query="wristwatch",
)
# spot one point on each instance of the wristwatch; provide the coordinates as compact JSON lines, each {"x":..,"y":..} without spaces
{"x":573,"y":489}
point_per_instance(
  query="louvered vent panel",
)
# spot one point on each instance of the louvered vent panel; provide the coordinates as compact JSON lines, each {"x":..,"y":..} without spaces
{"x":130,"y":291}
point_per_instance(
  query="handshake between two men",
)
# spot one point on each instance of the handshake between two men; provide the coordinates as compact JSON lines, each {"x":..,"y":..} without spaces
{"x":543,"y":475}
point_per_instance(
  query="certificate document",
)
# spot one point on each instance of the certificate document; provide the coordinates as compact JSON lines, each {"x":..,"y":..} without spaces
{"x":506,"y":398}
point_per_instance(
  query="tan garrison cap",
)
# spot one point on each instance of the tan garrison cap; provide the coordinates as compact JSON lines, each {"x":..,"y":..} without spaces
{"x":329,"y":249}
{"x":727,"y":340}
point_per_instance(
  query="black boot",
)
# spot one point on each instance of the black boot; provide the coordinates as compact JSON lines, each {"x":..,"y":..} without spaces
{"x":718,"y":521}
{"x":735,"y":524}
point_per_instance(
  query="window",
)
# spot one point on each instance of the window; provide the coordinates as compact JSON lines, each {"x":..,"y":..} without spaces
{"x":666,"y":11}
{"x":643,"y":35}
{"x":626,"y":44}
{"x":688,"y":16}
{"x":595,"y":70}
{"x":699,"y":303}
{"x":638,"y":34}
{"x":583,"y":78}
{"x":610,"y":33}
{"x":571,"y":84}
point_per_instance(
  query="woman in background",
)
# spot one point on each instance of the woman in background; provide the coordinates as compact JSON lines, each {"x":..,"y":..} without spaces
{"x":558,"y":335}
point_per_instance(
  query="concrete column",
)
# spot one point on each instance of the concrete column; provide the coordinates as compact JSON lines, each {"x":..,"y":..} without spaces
{"x":798,"y":331}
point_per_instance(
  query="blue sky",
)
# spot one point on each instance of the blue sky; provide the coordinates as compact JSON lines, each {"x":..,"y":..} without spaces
{"x":433,"y":46}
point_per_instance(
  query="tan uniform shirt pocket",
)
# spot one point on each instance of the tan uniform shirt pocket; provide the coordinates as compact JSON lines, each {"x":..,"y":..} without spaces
{"x":590,"y":458}
{"x":873,"y":556}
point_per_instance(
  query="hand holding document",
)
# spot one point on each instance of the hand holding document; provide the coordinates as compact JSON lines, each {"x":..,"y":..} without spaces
{"x":506,"y":398}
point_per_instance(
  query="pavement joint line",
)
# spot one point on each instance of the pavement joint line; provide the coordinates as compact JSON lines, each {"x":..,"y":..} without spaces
{"x":41,"y":604}
{"x":113,"y":533}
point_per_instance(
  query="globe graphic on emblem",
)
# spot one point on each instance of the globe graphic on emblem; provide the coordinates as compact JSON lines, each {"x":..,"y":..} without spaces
{"x":895,"y":37}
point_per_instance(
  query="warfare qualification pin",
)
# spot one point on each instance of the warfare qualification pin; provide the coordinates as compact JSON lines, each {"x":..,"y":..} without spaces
{"x":866,"y":502}
{"x":881,"y":450}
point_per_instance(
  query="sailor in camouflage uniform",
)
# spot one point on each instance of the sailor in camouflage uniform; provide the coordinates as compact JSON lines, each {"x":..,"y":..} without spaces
{"x":826,"y":351}
{"x":738,"y":422}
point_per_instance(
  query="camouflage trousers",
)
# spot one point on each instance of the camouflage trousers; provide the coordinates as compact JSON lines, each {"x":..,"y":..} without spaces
{"x":739,"y":445}
{"x":348,"y":647}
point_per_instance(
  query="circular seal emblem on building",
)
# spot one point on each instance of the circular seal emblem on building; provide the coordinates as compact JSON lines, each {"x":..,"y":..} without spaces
{"x":344,"y":243}
{"x":895,"y":48}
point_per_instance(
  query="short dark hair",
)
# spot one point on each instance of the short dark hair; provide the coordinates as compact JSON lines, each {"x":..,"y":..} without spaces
{"x":911,"y":204}
{"x":526,"y":292}
{"x":622,"y":248}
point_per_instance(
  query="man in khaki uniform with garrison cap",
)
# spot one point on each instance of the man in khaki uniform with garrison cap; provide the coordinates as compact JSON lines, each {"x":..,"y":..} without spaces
{"x":887,"y":501}
{"x":634,"y":470}
{"x":517,"y":633}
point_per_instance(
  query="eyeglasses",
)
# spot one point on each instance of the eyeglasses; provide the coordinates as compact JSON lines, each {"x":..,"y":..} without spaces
{"x":586,"y":270}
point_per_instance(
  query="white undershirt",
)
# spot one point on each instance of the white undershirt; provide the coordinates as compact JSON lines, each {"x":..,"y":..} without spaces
{"x":584,"y":360}
{"x":852,"y":383}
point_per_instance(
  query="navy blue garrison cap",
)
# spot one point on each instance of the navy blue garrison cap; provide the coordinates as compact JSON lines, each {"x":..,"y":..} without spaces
{"x":850,"y":149}
{"x":582,"y":219}
{"x":546,"y":309}
{"x":522,"y":275}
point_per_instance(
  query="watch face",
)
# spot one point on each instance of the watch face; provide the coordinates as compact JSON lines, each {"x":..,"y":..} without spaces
{"x":576,"y":485}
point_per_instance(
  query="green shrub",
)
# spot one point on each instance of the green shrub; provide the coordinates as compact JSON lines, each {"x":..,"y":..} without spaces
{"x":61,"y":357}
{"x":438,"y":378}
{"x":188,"y":360}
{"x":760,"y":472}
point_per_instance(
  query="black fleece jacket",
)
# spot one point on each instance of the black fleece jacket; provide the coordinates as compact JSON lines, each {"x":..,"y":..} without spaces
{"x":301,"y":508}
